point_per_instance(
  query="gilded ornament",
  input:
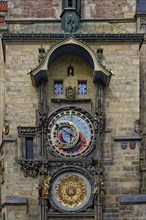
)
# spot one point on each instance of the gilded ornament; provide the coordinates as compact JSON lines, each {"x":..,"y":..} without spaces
{"x":71,"y":190}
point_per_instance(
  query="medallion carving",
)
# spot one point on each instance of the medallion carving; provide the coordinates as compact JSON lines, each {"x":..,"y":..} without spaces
{"x":70,"y":92}
{"x":71,"y":191}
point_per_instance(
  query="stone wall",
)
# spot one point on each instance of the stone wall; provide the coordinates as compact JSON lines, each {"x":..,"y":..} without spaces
{"x":133,"y":212}
{"x":141,"y":28}
{"x":109,"y":9}
{"x":143,"y":86}
{"x":21,"y":96}
{"x":142,"y":114}
{"x":34,"y":9}
{"x":2,"y":90}
{"x":122,"y":94}
{"x":90,"y":9}
{"x":128,"y":212}
{"x":122,"y":109}
{"x":121,"y":177}
{"x":16,"y":185}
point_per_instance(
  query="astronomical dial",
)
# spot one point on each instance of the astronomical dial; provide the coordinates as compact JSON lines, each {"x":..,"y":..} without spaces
{"x":66,"y":134}
{"x":71,"y":132}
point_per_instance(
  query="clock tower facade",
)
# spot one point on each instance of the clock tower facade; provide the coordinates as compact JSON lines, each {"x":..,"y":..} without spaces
{"x":72,"y":143}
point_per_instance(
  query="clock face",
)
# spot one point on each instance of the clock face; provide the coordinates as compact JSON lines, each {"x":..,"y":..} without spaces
{"x":71,"y":132}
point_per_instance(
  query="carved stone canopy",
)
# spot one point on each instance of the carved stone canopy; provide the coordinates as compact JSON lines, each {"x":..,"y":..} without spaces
{"x":71,"y":46}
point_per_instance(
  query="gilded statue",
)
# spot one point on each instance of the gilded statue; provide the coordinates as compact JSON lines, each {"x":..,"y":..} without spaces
{"x":43,"y":188}
{"x":46,"y":187}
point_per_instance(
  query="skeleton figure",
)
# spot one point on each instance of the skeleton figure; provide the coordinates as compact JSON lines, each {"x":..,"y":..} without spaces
{"x":98,"y":190}
{"x":41,"y":120}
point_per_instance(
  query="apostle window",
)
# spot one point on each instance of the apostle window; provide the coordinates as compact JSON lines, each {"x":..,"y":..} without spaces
{"x":58,"y":87}
{"x":82,"y":87}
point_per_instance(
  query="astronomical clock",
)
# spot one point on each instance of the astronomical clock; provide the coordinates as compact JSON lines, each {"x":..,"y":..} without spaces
{"x":70,"y":141}
{"x":65,"y":147}
{"x":70,"y":133}
{"x":67,"y":139}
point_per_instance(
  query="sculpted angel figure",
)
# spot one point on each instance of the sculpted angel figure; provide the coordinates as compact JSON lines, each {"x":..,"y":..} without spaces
{"x":46,"y":187}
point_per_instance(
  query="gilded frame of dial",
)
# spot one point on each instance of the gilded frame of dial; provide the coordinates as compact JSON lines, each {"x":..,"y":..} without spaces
{"x":71,"y":132}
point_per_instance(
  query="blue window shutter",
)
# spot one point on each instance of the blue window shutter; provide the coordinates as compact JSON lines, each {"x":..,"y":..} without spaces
{"x":29,"y":148}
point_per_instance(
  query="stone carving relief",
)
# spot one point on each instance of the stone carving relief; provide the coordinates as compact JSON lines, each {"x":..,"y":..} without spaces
{"x":70,"y":92}
{"x":143,"y":22}
{"x":71,"y":24}
{"x":6,"y":128}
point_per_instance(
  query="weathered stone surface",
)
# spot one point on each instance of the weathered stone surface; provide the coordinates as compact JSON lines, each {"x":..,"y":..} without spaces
{"x":34,"y":9}
{"x":113,"y":9}
{"x":2,"y":90}
{"x":90,"y":9}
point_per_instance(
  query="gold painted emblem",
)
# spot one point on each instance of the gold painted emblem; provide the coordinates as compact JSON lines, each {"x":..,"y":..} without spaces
{"x":71,"y":190}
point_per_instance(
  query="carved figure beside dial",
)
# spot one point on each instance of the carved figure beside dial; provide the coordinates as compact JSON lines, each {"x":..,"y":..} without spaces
{"x":71,"y":132}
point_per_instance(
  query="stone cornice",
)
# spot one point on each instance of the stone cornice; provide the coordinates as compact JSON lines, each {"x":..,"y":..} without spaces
{"x":89,"y":36}
{"x":45,"y":20}
{"x":127,"y":138}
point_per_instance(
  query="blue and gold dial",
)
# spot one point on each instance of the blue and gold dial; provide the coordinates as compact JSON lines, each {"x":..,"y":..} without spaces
{"x":71,"y":132}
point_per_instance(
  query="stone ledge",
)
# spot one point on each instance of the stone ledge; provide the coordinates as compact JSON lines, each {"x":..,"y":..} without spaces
{"x":127,"y":138}
{"x":9,"y":139}
{"x":143,"y":168}
{"x":140,"y":198}
{"x":136,"y":37}
{"x":61,"y":100}
{"x":111,"y":215}
{"x":44,"y":20}
{"x":67,"y":215}
{"x":15,"y":201}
